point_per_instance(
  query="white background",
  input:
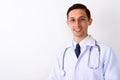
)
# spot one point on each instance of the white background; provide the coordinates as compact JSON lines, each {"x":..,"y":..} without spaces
{"x":33,"y":31}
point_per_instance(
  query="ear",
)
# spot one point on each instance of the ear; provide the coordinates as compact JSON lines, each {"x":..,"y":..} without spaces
{"x":90,"y":21}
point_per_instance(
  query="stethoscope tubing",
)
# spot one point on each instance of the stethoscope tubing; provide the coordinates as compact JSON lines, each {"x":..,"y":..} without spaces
{"x":99,"y":50}
{"x":90,"y":56}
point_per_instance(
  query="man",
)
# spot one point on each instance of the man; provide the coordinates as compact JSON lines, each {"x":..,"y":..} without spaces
{"x":85,"y":58}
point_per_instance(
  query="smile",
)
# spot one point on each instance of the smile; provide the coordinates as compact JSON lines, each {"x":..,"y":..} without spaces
{"x":77,"y":30}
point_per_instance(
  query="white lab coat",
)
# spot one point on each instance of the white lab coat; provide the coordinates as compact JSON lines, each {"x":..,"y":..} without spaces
{"x":77,"y":69}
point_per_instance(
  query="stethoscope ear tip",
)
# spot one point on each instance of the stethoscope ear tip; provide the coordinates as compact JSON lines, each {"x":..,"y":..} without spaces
{"x":62,"y":73}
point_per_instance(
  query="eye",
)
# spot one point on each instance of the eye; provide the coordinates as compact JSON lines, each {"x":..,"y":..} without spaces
{"x":72,"y":20}
{"x":82,"y":19}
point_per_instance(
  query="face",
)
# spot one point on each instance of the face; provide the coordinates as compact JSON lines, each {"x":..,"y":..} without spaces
{"x":78,"y":22}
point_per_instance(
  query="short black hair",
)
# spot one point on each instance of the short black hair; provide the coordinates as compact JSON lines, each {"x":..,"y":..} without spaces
{"x":79,"y":6}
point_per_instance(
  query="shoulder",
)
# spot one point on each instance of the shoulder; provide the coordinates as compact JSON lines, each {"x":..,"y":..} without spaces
{"x":64,"y":48}
{"x":106,"y":51}
{"x":104,"y":46}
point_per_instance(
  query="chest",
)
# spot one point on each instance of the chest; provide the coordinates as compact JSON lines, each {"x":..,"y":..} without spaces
{"x":88,"y":64}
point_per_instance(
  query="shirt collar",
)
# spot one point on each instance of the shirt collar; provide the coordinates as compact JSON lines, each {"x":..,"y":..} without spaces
{"x":88,"y":41}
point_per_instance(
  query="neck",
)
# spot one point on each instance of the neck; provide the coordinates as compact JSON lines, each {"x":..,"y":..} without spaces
{"x":79,"y":39}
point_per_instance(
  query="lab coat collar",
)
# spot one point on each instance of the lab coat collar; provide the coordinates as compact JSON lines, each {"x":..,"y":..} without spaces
{"x":90,"y":42}
{"x":82,"y":43}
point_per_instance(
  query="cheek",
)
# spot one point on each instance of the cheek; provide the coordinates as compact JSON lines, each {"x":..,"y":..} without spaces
{"x":85,"y":24}
{"x":70,"y":26}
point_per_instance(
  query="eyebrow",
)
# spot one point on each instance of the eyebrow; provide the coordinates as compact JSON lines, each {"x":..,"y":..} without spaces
{"x":79,"y":17}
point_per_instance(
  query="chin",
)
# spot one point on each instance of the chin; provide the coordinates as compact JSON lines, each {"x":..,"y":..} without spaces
{"x":77,"y":35}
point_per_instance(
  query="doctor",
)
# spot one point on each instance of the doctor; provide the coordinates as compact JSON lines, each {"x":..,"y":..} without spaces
{"x":85,"y":58}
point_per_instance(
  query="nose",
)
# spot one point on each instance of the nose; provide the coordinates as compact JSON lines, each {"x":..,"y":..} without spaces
{"x":77,"y":23}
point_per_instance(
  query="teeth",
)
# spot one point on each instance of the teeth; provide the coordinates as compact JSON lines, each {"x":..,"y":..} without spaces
{"x":77,"y":29}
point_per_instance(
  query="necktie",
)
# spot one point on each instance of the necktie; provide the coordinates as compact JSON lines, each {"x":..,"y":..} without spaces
{"x":77,"y":50}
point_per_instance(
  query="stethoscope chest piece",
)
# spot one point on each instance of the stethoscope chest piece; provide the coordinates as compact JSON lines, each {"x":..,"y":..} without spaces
{"x":62,"y":73}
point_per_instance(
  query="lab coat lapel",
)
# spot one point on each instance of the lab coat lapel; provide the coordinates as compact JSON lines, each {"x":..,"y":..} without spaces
{"x":89,"y":43}
{"x":72,"y":52}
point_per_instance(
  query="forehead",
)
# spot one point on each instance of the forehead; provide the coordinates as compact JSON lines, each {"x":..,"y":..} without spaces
{"x":77,"y":13}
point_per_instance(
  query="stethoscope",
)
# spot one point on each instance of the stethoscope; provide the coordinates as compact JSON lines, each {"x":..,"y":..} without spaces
{"x":63,"y":73}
